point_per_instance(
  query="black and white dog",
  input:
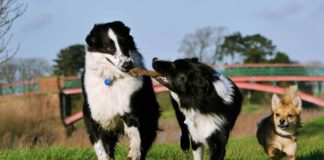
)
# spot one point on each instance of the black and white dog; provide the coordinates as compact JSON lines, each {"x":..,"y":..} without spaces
{"x":206,"y":104}
{"x":114,"y":101}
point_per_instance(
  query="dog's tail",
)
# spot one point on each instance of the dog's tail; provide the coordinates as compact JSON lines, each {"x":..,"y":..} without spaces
{"x":290,"y":93}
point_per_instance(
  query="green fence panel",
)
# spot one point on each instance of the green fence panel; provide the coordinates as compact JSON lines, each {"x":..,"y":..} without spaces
{"x":275,"y":71}
{"x":19,"y":89}
{"x":72,"y":83}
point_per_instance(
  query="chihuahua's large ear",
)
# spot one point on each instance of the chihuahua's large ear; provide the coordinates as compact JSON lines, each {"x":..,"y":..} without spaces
{"x":297,"y":102}
{"x":275,"y":101}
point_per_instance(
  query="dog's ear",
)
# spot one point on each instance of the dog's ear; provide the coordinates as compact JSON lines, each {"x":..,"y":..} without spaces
{"x":127,"y":30}
{"x":203,"y":84}
{"x":124,"y":28}
{"x":194,"y":59}
{"x":297,"y":102}
{"x":275,"y":101}
{"x":91,"y":40}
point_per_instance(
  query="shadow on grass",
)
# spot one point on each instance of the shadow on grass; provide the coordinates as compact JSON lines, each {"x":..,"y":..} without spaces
{"x":312,"y":128}
{"x":315,"y":155}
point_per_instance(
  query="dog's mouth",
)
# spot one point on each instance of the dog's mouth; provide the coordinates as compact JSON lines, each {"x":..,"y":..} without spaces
{"x":163,"y":80}
{"x":122,"y":69}
{"x":283,"y":126}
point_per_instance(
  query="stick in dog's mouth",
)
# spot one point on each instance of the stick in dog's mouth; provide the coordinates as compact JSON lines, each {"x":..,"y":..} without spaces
{"x":151,"y":73}
{"x":137,"y":71}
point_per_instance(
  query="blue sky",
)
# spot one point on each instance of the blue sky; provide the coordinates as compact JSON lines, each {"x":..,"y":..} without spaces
{"x":295,"y":26}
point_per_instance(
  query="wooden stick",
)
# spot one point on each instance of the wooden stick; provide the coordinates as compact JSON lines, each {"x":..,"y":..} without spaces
{"x":143,"y":72}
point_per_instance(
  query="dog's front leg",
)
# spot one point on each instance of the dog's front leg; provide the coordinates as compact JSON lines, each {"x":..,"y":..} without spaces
{"x":293,"y":157}
{"x":217,"y":145}
{"x":273,"y":152}
{"x":290,"y":151}
{"x":184,"y":140}
{"x":131,"y":130}
{"x":197,"y":150}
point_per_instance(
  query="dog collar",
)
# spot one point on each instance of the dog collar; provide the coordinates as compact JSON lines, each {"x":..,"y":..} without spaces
{"x":107,"y":82}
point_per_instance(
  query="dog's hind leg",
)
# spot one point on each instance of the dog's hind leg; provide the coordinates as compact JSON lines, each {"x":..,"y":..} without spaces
{"x":197,"y":150}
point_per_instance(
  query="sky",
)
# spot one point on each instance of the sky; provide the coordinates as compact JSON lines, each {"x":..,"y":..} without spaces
{"x":295,"y":26}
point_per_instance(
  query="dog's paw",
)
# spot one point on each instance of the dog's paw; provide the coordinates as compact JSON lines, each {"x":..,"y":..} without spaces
{"x":134,"y":154}
{"x":185,"y":142}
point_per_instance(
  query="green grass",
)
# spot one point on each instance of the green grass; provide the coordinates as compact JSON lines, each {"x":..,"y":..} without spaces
{"x":310,"y":139}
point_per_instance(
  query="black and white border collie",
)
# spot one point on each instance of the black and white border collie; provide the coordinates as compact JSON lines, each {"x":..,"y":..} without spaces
{"x":114,"y":101}
{"x":206,"y":104}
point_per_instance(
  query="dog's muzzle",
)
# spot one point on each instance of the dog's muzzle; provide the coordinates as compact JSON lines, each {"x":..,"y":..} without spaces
{"x":126,"y":66}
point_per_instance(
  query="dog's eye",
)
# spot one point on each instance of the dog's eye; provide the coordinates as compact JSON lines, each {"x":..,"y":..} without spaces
{"x":289,"y":115}
{"x":277,"y":114}
{"x":110,"y":49}
{"x":182,"y":78}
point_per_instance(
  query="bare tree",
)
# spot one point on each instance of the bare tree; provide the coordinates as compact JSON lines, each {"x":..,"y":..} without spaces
{"x":219,"y":40}
{"x":204,"y":44}
{"x":8,"y":71}
{"x":10,"y":10}
{"x":32,"y":68}
{"x":24,"y":69}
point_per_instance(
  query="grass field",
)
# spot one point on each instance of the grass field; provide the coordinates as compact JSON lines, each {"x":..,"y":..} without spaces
{"x":311,"y":147}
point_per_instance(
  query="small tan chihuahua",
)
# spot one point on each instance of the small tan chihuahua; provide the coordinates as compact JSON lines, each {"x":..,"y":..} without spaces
{"x":277,"y":132}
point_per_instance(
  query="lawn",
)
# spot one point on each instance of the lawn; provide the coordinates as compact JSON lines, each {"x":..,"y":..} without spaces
{"x":310,"y":138}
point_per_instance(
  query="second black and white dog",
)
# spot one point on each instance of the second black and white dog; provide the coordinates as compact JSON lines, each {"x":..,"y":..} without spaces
{"x":115,"y":101}
{"x":206,"y":104}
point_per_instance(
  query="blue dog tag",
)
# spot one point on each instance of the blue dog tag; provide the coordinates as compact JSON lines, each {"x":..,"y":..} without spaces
{"x":107,"y":82}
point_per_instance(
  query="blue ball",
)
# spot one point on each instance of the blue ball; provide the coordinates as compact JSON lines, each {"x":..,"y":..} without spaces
{"x":107,"y":82}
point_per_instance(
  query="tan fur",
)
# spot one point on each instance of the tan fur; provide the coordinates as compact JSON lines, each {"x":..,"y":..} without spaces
{"x":280,"y":142}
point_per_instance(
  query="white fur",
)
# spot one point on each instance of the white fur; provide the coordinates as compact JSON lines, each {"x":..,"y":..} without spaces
{"x":175,"y":97}
{"x":199,"y":153}
{"x":100,"y":151}
{"x":224,"y":89}
{"x":200,"y":126}
{"x":119,"y":58}
{"x":286,"y":132}
{"x":107,"y":102}
{"x":135,"y":142}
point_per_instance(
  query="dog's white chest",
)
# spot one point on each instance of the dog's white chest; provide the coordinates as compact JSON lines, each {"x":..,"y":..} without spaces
{"x":108,"y":101}
{"x":200,"y":126}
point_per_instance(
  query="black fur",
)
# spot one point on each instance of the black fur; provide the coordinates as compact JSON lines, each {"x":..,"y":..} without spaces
{"x":98,"y":40}
{"x":144,"y":108}
{"x":193,"y":81}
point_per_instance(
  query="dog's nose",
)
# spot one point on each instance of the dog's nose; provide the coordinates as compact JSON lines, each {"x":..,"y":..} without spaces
{"x":282,"y":121}
{"x":155,"y":59}
{"x":127,"y":65}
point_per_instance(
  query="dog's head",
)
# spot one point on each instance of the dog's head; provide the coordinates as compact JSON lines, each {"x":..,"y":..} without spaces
{"x":112,"y":43}
{"x":286,"y":111}
{"x":184,"y":76}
